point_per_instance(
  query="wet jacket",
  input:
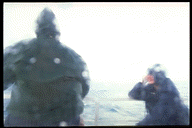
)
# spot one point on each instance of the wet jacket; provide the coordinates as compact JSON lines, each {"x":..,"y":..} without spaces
{"x":48,"y":80}
{"x":164,"y":106}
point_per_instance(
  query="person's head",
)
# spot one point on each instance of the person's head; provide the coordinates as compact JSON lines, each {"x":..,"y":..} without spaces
{"x":155,"y":76}
{"x":158,"y":73}
{"x":45,"y":25}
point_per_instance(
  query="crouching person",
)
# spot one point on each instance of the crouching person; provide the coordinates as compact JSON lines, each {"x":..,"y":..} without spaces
{"x":162,"y":99}
{"x":49,"y":79}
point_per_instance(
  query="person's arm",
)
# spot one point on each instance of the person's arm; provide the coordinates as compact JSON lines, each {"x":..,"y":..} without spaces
{"x":143,"y":90}
{"x":85,"y":87}
{"x":8,"y":74}
{"x":136,"y":92}
{"x":84,"y":77}
{"x":8,"y":78}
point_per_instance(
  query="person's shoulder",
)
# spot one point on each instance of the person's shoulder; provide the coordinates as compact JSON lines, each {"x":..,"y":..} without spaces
{"x":18,"y":46}
{"x":70,"y":52}
{"x":16,"y":51}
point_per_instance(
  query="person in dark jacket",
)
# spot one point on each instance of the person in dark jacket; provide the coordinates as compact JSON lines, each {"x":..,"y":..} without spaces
{"x":49,"y":79}
{"x":162,"y":99}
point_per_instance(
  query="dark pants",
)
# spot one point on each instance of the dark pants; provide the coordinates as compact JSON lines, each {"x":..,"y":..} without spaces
{"x":17,"y":121}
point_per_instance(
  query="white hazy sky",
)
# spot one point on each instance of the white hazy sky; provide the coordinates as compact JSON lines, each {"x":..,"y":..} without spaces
{"x":119,"y":41}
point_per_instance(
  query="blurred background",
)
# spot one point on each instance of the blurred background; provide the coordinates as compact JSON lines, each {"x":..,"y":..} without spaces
{"x":118,"y":41}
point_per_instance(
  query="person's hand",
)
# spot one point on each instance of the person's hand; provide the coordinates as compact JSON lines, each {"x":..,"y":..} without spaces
{"x":149,"y":79}
{"x":143,"y":80}
{"x":81,"y":122}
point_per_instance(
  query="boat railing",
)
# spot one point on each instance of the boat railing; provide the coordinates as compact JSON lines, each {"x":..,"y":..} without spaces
{"x":97,"y":107}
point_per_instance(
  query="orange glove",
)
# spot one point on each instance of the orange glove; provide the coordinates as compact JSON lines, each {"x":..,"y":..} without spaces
{"x":81,"y":122}
{"x":149,"y":79}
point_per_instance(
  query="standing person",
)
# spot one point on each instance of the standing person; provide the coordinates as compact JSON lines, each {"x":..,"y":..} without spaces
{"x":49,"y":79}
{"x":162,"y":99}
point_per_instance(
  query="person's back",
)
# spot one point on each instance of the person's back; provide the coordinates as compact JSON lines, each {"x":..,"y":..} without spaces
{"x":49,"y":84}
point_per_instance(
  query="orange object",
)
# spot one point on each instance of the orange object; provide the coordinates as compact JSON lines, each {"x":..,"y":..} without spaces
{"x":150,"y":79}
{"x":81,"y":122}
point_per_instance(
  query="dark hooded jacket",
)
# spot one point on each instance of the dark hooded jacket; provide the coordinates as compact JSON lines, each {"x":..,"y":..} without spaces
{"x":48,"y":78}
{"x":164,"y":106}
